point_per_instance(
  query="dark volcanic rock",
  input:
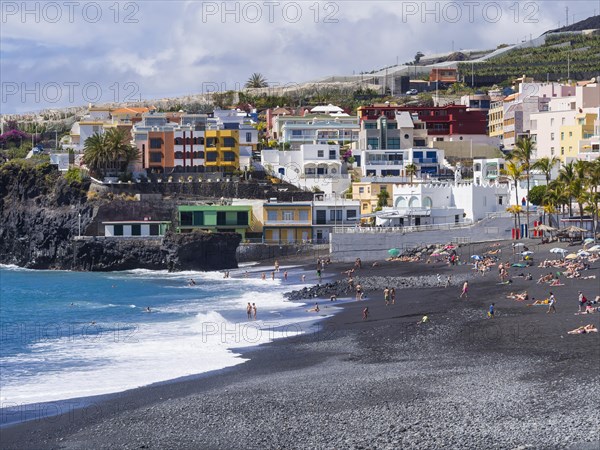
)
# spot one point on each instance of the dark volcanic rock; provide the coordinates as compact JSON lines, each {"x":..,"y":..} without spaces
{"x":39,"y":219}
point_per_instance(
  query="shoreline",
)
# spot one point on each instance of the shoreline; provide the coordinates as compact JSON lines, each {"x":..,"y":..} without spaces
{"x":451,"y":355}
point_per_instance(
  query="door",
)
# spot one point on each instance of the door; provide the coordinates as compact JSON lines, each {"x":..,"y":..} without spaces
{"x":275,"y":236}
{"x":290,"y":236}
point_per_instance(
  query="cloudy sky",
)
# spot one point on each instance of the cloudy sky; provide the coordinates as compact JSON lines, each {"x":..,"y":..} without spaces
{"x":68,"y":53}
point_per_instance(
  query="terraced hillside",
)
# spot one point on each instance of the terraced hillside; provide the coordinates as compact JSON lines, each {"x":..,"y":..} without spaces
{"x":563,"y":56}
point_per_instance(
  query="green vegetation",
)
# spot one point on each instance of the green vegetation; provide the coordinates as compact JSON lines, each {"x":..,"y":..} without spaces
{"x":256,"y":80}
{"x":551,"y":59}
{"x":109,"y":153}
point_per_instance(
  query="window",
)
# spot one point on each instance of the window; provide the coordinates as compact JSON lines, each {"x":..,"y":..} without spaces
{"x":185,"y":219}
{"x":272,"y":216}
{"x":551,"y":151}
{"x":361,"y":190}
{"x":370,"y":125}
{"x":136,"y":229}
{"x":332,"y":154}
{"x":320,"y":153}
{"x":562,"y":122}
{"x":321,"y":217}
{"x":500,"y":199}
{"x":211,"y":142}
{"x":351,"y":214}
{"x":392,"y":125}
{"x":198,"y":218}
{"x":562,"y":135}
{"x":562,"y":150}
{"x":393,"y":143}
{"x":304,"y":216}
{"x":229,"y":156}
{"x":373,"y":143}
{"x":365,"y":206}
{"x":155,"y":143}
{"x":211,"y":156}
{"x":221,"y":218}
{"x":155,"y":157}
{"x":382,"y":188}
{"x":228,"y":142}
{"x":288,"y":216}
{"x":335,"y":214}
{"x":551,"y":122}
{"x":551,"y":136}
{"x":296,"y":132}
{"x":248,"y":137}
{"x":242,"y":218}
{"x":154,"y":229}
{"x":570,"y":134}
{"x":118,"y":230}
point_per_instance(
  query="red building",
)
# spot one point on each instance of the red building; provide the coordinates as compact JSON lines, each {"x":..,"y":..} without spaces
{"x":439,"y":121}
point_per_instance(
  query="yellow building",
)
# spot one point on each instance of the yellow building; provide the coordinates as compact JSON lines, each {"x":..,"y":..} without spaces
{"x":222,"y":150}
{"x":366,"y":192}
{"x":570,"y":135}
{"x":287,"y":222}
{"x":496,"y":119}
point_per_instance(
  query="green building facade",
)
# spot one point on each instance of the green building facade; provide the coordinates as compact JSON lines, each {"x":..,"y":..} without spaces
{"x":216,"y":218}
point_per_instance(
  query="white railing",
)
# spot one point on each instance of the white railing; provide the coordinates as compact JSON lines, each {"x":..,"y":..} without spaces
{"x":406,"y":229}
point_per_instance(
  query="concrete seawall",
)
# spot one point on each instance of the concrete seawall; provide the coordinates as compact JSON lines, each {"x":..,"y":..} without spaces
{"x":372,"y":246}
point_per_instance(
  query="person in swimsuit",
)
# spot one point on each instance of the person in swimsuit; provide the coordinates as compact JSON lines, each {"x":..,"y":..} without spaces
{"x":249,"y":311}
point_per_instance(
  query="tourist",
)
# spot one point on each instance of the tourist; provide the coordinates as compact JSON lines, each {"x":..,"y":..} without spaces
{"x":582,"y":300}
{"x":315,"y":309}
{"x":333,"y":298}
{"x":254,"y":310}
{"x":358,"y":263}
{"x":191,"y":282}
{"x":263,"y":276}
{"x":393,"y":296}
{"x":386,"y":296}
{"x":285,"y":274}
{"x":273,"y":275}
{"x":359,"y":292}
{"x":448,"y":281}
{"x":319,"y":274}
{"x":465,"y":290}
{"x":491,"y":311}
{"x":148,"y":309}
{"x":551,"y":303}
{"x":249,"y":311}
{"x":303,"y":278}
{"x":584,"y":329}
{"x":276,"y":266}
{"x":365,"y":313}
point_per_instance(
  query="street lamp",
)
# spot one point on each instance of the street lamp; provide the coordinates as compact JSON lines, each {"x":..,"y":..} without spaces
{"x":79,"y":215}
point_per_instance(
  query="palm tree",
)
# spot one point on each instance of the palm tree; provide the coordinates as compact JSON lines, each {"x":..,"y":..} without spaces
{"x":515,"y":210}
{"x":109,"y":150}
{"x":545,"y":165}
{"x":515,"y":173}
{"x":382,"y":199}
{"x":523,"y":153}
{"x":411,"y":171}
{"x":567,"y":176}
{"x":256,"y":80}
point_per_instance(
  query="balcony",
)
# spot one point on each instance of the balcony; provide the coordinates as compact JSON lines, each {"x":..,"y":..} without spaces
{"x":384,"y":163}
{"x":425,"y":160}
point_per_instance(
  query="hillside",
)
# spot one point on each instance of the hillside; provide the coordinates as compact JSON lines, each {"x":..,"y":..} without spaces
{"x":562,"y":56}
{"x":591,"y":23}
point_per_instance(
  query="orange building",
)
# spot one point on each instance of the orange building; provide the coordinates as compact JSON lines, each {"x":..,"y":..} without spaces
{"x":444,"y":75}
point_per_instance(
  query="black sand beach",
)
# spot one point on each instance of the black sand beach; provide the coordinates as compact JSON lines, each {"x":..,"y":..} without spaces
{"x":459,"y":381}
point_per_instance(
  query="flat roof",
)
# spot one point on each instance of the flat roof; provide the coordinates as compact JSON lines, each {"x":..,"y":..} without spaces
{"x":134,"y":222}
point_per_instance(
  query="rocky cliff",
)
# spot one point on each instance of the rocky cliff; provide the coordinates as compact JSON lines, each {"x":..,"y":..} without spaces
{"x":40,"y":217}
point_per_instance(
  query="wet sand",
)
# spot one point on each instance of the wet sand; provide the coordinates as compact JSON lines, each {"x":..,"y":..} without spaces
{"x":460,"y":381}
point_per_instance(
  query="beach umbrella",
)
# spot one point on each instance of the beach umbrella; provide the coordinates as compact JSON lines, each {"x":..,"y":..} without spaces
{"x":519,"y":244}
{"x":393,"y":252}
{"x":574,"y":229}
{"x":527,"y":253}
{"x":476,"y":257}
{"x":544,"y":228}
{"x":588,"y":240}
{"x":583,"y":253}
{"x":595,"y":249}
{"x":571,"y":256}
{"x":558,"y":250}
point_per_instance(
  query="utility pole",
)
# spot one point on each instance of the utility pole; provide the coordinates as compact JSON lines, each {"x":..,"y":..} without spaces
{"x":567,"y":14}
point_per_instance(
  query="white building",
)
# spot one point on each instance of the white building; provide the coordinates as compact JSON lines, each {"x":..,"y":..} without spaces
{"x":315,"y":129}
{"x":312,"y":166}
{"x":330,"y":212}
{"x":443,"y":203}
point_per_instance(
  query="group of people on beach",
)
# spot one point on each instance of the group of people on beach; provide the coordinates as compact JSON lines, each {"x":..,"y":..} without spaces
{"x":251,"y":311}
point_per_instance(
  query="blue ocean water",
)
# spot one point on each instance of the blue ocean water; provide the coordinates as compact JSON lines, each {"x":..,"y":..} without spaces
{"x":78,"y":334}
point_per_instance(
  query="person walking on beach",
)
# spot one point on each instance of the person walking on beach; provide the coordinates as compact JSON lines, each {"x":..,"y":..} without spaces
{"x":465,"y":290}
{"x":582,"y":301}
{"x":249,"y":311}
{"x":359,"y":293}
{"x":386,"y":296}
{"x":365,"y":313}
{"x":393,"y":295}
{"x":491,"y":311}
{"x":276,"y":266}
{"x":273,"y":275}
{"x":254,"y":310}
{"x":319,"y":274}
{"x":285,"y":274}
{"x":551,"y":303}
{"x":303,"y":278}
{"x":448,"y":281}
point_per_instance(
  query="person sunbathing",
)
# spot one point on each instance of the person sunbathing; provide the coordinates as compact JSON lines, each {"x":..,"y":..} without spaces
{"x":556,"y":282}
{"x":539,"y":302}
{"x":584,"y":329}
{"x":522,"y":297}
